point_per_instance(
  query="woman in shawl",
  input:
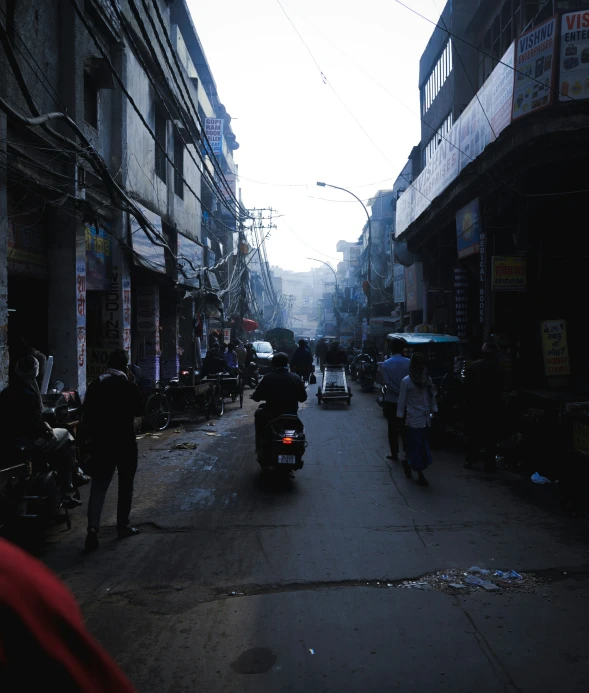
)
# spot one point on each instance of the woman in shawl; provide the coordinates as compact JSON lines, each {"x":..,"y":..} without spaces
{"x":417,"y":395}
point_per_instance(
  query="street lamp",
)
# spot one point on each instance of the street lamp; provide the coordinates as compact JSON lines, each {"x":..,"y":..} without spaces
{"x":369,"y":294}
{"x":336,"y":292}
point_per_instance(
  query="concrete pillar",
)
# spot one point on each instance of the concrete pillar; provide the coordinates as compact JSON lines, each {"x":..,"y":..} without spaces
{"x":148,"y":331}
{"x":3,"y":262}
{"x":67,"y":303}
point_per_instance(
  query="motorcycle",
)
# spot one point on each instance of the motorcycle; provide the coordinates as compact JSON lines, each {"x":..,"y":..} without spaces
{"x":283,"y":444}
{"x":251,"y":375}
{"x":366,"y":373}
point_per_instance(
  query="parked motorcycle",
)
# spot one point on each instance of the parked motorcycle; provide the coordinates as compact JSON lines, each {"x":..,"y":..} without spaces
{"x":367,"y":369}
{"x":283,"y":445}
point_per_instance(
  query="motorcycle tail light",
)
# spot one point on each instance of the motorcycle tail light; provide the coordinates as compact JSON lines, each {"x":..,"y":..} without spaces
{"x":287,"y":441}
{"x":185,"y":372}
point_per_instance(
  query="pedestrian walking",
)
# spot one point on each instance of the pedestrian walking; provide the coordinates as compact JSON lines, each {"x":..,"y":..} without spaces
{"x":111,"y":404}
{"x":241,"y":354}
{"x":484,"y":386}
{"x":393,"y":370}
{"x":417,"y":398}
{"x":230,"y":356}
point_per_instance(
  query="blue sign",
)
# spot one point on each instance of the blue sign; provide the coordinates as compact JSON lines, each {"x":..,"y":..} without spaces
{"x":468,"y":229}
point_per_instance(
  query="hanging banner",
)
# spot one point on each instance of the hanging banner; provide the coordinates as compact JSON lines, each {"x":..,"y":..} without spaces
{"x":555,"y":347}
{"x":468,"y":229}
{"x":398,"y":283}
{"x":414,"y":286}
{"x":509,"y":273}
{"x":214,"y":133}
{"x":534,"y":63}
{"x":574,"y":56}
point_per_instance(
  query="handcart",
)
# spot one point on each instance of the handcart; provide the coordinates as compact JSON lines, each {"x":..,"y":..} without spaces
{"x":334,"y":387}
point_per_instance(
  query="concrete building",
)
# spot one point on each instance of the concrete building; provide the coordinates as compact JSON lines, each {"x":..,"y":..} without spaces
{"x":102,"y":224}
{"x":480,"y":219}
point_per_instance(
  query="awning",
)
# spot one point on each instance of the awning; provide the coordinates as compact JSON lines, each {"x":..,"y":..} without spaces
{"x":146,"y":253}
{"x":249,"y":325}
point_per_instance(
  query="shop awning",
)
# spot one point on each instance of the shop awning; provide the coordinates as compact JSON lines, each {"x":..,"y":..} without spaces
{"x":146,"y":253}
{"x":250,"y":325}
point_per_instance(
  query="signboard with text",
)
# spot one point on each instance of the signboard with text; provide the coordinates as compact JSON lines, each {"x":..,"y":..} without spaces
{"x":214,"y":133}
{"x":555,"y":347}
{"x":509,"y":273}
{"x":534,"y":63}
{"x":574,"y":56}
{"x":468,"y":229}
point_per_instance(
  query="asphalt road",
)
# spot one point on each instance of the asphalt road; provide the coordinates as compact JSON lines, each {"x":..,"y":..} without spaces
{"x":240,"y":584}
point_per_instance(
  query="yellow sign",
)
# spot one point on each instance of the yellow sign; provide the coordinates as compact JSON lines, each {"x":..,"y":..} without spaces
{"x":509,"y":273}
{"x":555,"y":347}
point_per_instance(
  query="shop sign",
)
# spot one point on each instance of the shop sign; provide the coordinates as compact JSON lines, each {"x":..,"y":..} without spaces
{"x":461,"y":302}
{"x":398,"y":283}
{"x":534,"y":73}
{"x":509,"y":273}
{"x":486,"y":116}
{"x":27,"y":251}
{"x":214,"y":133}
{"x":147,"y":253}
{"x":97,"y":359}
{"x":98,"y":256}
{"x":574,"y":56}
{"x":227,"y":335}
{"x":81,"y":310}
{"x":414,"y":286}
{"x":468,"y":229}
{"x":555,"y":348}
{"x":466,"y":140}
{"x":190,"y":261}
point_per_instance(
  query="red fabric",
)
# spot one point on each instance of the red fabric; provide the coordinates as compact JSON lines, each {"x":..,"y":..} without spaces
{"x":250,"y":325}
{"x":43,"y":639}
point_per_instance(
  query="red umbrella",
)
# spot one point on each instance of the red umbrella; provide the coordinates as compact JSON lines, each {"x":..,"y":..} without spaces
{"x":250,"y":325}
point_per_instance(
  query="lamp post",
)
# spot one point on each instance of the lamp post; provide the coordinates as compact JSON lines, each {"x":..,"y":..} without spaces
{"x":369,"y":293}
{"x":337,"y":317}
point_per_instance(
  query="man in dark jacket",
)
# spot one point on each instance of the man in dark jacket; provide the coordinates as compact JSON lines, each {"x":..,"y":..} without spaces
{"x":282,"y":392}
{"x":302,"y":361}
{"x":336,"y":356}
{"x":213,"y":363}
{"x":111,"y":404}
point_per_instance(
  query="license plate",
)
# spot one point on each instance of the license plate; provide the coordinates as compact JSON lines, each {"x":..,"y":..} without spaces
{"x":287,"y":459}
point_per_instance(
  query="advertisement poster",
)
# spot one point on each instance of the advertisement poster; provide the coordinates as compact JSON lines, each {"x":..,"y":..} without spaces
{"x":468,"y":229}
{"x":574,"y":56}
{"x":214,"y":133}
{"x":534,"y":63}
{"x":461,"y":302}
{"x":414,"y":286}
{"x":98,"y":252}
{"x":509,"y":273}
{"x":555,"y":347}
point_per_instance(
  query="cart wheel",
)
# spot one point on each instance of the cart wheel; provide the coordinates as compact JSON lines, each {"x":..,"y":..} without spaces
{"x":209,"y":403}
{"x":158,"y":412}
{"x":218,"y":401}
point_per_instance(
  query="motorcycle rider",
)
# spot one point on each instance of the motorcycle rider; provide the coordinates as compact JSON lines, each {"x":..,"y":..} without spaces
{"x":21,"y":417}
{"x":302,"y":361}
{"x":241,"y":354}
{"x":282,"y":392}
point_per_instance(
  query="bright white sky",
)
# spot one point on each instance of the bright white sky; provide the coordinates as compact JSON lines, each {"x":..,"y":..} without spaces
{"x":291,"y":126}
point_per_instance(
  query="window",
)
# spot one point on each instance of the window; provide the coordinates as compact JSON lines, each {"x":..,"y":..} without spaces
{"x":90,"y":100}
{"x":179,"y":163}
{"x":160,"y":135}
{"x":438,"y":76}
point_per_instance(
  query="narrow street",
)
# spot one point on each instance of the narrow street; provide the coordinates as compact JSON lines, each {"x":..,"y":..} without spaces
{"x":237,"y":584}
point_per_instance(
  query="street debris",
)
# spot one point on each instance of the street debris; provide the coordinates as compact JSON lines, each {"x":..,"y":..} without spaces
{"x":538,"y":479}
{"x":210,"y":433}
{"x":474,"y":579}
{"x":184,"y":446}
